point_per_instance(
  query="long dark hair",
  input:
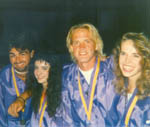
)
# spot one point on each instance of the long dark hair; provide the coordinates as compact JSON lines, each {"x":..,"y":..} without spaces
{"x":53,"y":91}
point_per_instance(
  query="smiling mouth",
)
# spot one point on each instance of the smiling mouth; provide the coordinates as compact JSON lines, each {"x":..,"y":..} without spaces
{"x":127,"y":68}
{"x":40,"y":78}
{"x":82,"y":53}
{"x":19,"y":64}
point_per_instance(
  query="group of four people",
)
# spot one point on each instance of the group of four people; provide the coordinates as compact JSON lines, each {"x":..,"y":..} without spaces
{"x":96,"y":91}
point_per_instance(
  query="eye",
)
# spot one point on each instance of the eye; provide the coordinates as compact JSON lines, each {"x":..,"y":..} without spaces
{"x":75,"y":43}
{"x":23,"y":53}
{"x":122,"y":53}
{"x":45,"y":68}
{"x":11,"y":55}
{"x":35,"y":67}
{"x":88,"y":41}
{"x":136,"y":55}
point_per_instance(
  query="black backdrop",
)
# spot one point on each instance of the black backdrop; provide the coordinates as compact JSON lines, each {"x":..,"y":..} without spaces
{"x":49,"y":21}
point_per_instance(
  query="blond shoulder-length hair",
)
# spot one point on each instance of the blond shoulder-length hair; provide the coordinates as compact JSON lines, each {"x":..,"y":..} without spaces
{"x":142,"y":45}
{"x":95,"y":36}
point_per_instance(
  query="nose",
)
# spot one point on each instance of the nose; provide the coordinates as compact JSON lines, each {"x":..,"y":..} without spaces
{"x":82,"y":45}
{"x":18,"y":58}
{"x":127,"y":59}
{"x":38,"y":72}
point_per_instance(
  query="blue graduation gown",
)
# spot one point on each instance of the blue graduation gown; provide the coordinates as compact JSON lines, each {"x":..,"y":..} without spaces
{"x":55,"y":121}
{"x":140,"y":116}
{"x":74,"y":112}
{"x":8,"y":95}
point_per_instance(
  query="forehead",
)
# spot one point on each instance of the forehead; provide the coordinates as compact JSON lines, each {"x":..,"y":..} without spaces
{"x":14,"y":50}
{"x":80,"y":32}
{"x":41,"y":63}
{"x":128,"y":46}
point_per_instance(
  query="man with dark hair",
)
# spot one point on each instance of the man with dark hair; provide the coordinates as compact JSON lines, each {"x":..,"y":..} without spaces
{"x":12,"y":81}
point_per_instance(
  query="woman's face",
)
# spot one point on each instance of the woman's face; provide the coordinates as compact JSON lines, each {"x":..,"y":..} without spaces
{"x":130,"y":60}
{"x":41,"y":71}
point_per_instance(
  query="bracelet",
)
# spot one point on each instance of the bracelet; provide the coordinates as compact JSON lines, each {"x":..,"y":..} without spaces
{"x":21,"y":99}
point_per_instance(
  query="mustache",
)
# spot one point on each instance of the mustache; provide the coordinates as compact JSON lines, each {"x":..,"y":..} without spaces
{"x":21,"y":69}
{"x":18,"y":63}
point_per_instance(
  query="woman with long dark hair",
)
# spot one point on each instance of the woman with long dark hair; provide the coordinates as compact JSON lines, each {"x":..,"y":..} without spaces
{"x":44,"y":81}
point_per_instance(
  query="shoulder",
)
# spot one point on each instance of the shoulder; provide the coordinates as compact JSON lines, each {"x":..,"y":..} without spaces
{"x":68,"y":68}
{"x":5,"y":72}
{"x":69,"y":72}
{"x":144,"y":104}
{"x":5,"y":68}
{"x":106,"y":67}
{"x":144,"y":101}
{"x":108,"y":63}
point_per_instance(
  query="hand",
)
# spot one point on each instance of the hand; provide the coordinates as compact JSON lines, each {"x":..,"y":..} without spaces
{"x":103,"y":58}
{"x":16,"y":107}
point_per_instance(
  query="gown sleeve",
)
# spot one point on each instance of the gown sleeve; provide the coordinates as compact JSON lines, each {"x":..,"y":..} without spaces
{"x":3,"y":114}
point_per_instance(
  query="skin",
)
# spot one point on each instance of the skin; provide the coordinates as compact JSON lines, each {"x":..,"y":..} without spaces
{"x":20,"y":60}
{"x":129,"y":62}
{"x":41,"y":72}
{"x":83,"y":48}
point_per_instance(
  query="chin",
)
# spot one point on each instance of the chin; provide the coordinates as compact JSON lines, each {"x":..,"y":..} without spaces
{"x":40,"y":82}
{"x":83,"y":60}
{"x":127,"y":75}
{"x":21,"y":69}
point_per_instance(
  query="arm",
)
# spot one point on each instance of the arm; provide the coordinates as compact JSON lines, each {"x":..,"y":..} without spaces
{"x":19,"y":103}
{"x":67,"y":115}
{"x":3,"y":113}
{"x":66,"y":104}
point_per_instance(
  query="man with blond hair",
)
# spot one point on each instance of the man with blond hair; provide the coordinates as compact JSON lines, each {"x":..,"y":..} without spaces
{"x":85,"y":95}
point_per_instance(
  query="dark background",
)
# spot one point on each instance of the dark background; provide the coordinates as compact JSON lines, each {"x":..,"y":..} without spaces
{"x":50,"y":20}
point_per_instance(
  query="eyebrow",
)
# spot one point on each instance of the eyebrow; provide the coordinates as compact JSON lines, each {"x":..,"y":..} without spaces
{"x":136,"y":53}
{"x":11,"y":53}
{"x":23,"y":51}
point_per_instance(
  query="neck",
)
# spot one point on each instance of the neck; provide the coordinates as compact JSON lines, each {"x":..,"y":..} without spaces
{"x":131,"y":86}
{"x":21,"y":73}
{"x":45,"y":86}
{"x":87,"y":65}
{"x":132,"y":83}
{"x":21,"y":76}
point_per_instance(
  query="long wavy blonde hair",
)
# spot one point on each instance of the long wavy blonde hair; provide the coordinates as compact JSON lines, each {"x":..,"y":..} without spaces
{"x":96,"y":38}
{"x":142,"y":45}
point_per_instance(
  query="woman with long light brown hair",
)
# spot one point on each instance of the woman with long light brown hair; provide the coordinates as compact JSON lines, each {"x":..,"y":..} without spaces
{"x":131,"y":105}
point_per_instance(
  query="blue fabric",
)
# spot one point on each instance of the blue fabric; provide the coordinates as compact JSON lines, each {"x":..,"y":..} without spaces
{"x":55,"y":121}
{"x":128,"y":107}
{"x":140,"y":116}
{"x":74,"y":112}
{"x":8,"y":95}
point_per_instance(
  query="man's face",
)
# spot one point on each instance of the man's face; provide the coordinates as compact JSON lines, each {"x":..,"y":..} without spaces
{"x":83,"y":46}
{"x":20,"y":59}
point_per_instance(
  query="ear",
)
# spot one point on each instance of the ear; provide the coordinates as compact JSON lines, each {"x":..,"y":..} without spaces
{"x":71,"y":48}
{"x":32,"y":53}
{"x":96,"y":48}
